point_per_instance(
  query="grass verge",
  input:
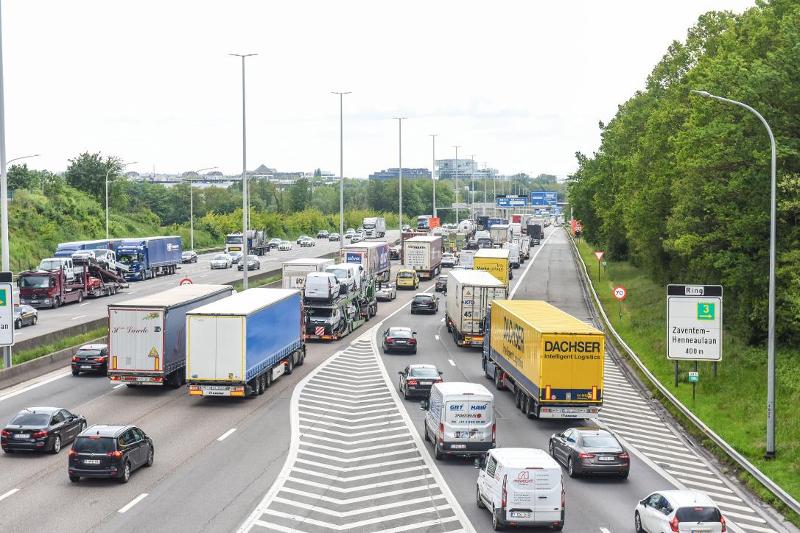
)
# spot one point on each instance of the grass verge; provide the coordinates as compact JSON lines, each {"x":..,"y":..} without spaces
{"x":733,"y":403}
{"x":46,"y":349}
{"x":252,"y":284}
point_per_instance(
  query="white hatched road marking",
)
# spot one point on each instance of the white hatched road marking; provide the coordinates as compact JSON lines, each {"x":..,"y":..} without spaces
{"x":355,"y":462}
{"x":7,"y":494}
{"x":630,"y":416}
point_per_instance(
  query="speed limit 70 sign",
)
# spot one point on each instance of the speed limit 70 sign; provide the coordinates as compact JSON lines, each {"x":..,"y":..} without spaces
{"x":620,"y":293}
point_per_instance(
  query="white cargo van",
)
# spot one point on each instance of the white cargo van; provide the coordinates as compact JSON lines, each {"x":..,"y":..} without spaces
{"x":513,"y":253}
{"x":460,"y":419}
{"x":348,"y":274}
{"x":521,"y":487}
{"x":321,"y":286}
{"x":57,"y":263}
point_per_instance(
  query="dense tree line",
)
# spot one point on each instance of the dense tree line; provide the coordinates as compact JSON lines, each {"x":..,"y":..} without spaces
{"x":680,"y":183}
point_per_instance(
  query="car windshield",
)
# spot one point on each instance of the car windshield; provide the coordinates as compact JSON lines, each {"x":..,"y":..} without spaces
{"x":400,"y":332}
{"x":405,"y":274}
{"x":424,"y":372}
{"x":320,"y":312}
{"x":30,"y":419}
{"x":35,"y":282}
{"x":220,"y":257}
{"x":94,"y":445}
{"x":340,"y":273}
{"x":87,"y":352}
{"x":698,"y":514}
{"x":599,"y":441}
{"x":233,"y":239}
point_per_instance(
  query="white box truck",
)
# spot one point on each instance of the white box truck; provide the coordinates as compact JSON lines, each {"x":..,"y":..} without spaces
{"x":499,"y":234}
{"x":424,"y":254}
{"x":469,"y":295}
{"x":513,"y":253}
{"x":239,"y":345}
{"x":147,"y":335}
{"x":466,"y":259}
{"x":374,"y":227}
{"x":296,"y":270}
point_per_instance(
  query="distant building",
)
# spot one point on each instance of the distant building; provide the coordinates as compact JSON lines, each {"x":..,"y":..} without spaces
{"x":394,"y":173}
{"x":446,"y":169}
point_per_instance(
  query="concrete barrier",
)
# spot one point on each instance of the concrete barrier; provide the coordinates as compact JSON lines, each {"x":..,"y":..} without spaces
{"x":41,"y":365}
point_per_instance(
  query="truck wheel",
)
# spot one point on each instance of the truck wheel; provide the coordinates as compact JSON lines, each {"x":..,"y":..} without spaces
{"x":486,"y":369}
{"x":517,"y":399}
{"x":80,"y":296}
{"x":498,"y":379}
{"x":290,"y":365}
{"x":301,"y":358}
{"x":262,"y":384}
{"x":56,"y":303}
{"x":268,"y":379}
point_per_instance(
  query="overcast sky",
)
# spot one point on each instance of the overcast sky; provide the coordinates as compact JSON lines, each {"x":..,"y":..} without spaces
{"x":520,"y":84}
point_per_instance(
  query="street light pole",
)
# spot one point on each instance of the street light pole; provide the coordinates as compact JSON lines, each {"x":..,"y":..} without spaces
{"x":122,"y":165}
{"x":245,"y":199}
{"x":433,"y":171}
{"x":341,"y":167}
{"x":400,"y":166}
{"x":472,"y":186}
{"x":456,"y":180}
{"x":770,"y":451}
{"x":191,"y":204}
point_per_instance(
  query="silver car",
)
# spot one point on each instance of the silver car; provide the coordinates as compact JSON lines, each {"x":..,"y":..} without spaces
{"x":386,"y":293}
{"x":221,"y":261}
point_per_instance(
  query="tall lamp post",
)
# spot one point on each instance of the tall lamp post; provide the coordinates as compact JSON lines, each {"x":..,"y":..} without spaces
{"x":472,"y":186}
{"x":433,"y":171}
{"x":400,"y":166}
{"x":770,"y":451}
{"x":245,"y":199}
{"x":341,"y":167}
{"x":456,"y":180}
{"x":121,"y":166}
{"x":191,"y":204}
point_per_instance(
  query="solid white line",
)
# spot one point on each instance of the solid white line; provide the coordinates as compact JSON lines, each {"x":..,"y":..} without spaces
{"x":442,"y":320}
{"x":226,"y":434}
{"x":133,"y":502}
{"x":604,"y":530}
{"x":58,"y":374}
{"x":530,"y":264}
{"x":119,"y":386}
{"x":9,"y":493}
{"x":79,"y":316}
{"x":451,"y":362}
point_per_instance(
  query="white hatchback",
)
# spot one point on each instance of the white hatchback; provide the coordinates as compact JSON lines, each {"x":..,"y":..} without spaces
{"x":685,"y":511}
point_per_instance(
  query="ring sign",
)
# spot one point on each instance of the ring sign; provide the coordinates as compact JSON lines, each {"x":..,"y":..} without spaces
{"x":186,"y":281}
{"x":620,"y":293}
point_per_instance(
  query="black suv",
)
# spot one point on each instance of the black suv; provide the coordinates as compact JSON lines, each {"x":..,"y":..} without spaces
{"x":109,"y":451}
{"x":424,"y":303}
{"x":90,"y":358}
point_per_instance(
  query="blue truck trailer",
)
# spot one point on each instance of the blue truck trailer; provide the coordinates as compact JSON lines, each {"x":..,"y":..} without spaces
{"x":239,"y":345}
{"x":66,"y":249}
{"x":149,"y":257}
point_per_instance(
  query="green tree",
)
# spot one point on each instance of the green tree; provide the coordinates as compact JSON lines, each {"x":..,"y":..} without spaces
{"x":88,"y":172}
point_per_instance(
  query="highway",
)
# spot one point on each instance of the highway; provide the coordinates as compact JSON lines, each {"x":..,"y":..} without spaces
{"x":333,"y":447}
{"x":91,"y":309}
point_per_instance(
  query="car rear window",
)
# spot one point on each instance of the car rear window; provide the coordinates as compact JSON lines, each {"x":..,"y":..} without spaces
{"x":399,"y":332}
{"x":698,"y":514}
{"x":422,"y":299}
{"x":600,"y":441}
{"x":94,"y":445}
{"x":31,"y":419}
{"x":405,"y":274}
{"x":87,"y":352}
{"x":424,"y":372}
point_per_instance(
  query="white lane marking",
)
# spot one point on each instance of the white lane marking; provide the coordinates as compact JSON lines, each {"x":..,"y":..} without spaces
{"x":119,"y":386}
{"x":9,"y":493}
{"x":604,"y":530}
{"x":79,"y":316}
{"x":84,"y":303}
{"x":226,"y":435}
{"x":133,"y":502}
{"x":58,"y":374}
{"x":451,"y":362}
{"x":532,"y":259}
{"x":442,"y":320}
{"x":436,"y":337}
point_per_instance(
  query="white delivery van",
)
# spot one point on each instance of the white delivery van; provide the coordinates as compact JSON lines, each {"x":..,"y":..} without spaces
{"x":57,"y":263}
{"x":460,"y":419}
{"x":348,"y":274}
{"x":513,"y":253}
{"x":321,"y":286}
{"x":521,"y":487}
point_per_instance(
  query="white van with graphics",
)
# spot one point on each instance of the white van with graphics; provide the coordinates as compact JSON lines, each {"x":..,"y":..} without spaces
{"x":460,"y":419}
{"x":521,"y":487}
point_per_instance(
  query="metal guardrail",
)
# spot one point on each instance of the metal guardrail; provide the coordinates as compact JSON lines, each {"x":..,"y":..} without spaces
{"x":738,"y":458}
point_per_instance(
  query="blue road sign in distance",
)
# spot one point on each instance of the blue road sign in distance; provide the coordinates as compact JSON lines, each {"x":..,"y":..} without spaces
{"x":543,"y":198}
{"x":511,"y":201}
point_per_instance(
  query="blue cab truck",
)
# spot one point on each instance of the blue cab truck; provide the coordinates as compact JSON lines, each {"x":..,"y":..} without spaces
{"x":149,"y":257}
{"x":237,"y":346}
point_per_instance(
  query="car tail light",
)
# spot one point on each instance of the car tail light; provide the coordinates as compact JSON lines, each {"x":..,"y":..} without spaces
{"x":75,"y":359}
{"x":389,"y":340}
{"x":38,"y":434}
{"x":101,"y":359}
{"x":494,"y":432}
{"x":585,"y":455}
{"x":674,"y":524}
{"x":412,"y":341}
{"x":5,"y":433}
{"x":439,"y":380}
{"x":724,"y":525}
{"x":624,"y":455}
{"x":115,"y":454}
{"x":504,"y":493}
{"x":412,"y":382}
{"x":441,"y":433}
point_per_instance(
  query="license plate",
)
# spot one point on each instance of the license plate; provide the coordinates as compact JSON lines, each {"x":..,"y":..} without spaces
{"x":214,"y":392}
{"x":91,"y":461}
{"x":86,"y":366}
{"x":22,"y":435}
{"x":458,"y":446}
{"x":520,"y":514}
{"x":425,"y":382}
{"x":401,"y":342}
{"x":605,"y":458}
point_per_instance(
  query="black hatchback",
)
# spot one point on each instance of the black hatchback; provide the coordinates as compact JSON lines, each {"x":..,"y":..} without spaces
{"x":90,"y":358}
{"x":40,"y":429}
{"x":110,"y":452}
{"x":424,"y":303}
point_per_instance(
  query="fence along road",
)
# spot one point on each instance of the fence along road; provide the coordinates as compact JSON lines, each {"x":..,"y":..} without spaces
{"x":355,"y":462}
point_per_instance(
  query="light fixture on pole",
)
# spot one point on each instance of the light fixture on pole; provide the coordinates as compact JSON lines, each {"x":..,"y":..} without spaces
{"x":483,"y":209}
{"x":472,"y":186}
{"x":400,"y":166}
{"x":433,"y":171}
{"x":770,"y":450}
{"x":456,"y":180}
{"x":191,"y":204}
{"x":341,"y":167}
{"x":245,"y":199}
{"x":110,"y":168}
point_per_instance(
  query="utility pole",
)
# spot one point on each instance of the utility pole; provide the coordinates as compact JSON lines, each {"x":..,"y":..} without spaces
{"x":341,"y":167}
{"x":456,"y":180}
{"x":400,"y":166}
{"x":433,"y":171}
{"x":472,"y":186}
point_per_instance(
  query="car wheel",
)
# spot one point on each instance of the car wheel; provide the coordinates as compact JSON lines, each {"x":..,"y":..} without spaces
{"x":414,"y":352}
{"x":497,"y":524}
{"x":150,"y":457}
{"x":76,"y":372}
{"x":35,"y":320}
{"x":437,"y":453}
{"x":74,"y":479}
{"x":624,"y":475}
{"x":18,"y":324}
{"x":571,"y":467}
{"x":80,"y":430}
{"x":478,"y":500}
{"x":552,"y":450}
{"x":637,"y":523}
{"x":405,"y":393}
{"x":126,"y":473}
{"x":425,"y":432}
{"x":56,"y":445}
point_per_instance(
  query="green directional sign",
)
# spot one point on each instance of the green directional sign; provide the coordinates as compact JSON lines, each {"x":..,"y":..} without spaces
{"x":705,"y":311}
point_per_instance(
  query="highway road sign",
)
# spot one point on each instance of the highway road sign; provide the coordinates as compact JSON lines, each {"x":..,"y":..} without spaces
{"x":6,"y":314}
{"x":599,"y":255}
{"x":620,"y":293}
{"x":543,"y":198}
{"x":694,"y":322}
{"x":694,"y":377}
{"x":511,"y":201}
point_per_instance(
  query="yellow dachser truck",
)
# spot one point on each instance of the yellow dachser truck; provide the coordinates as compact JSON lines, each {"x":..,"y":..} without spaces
{"x":550,"y":360}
